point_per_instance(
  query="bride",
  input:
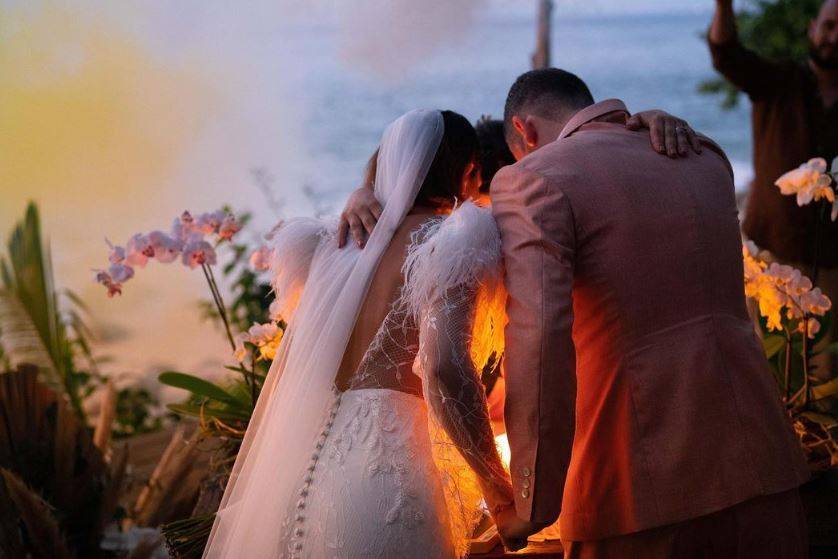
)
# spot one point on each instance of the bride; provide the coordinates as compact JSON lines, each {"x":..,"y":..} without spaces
{"x":371,"y":437}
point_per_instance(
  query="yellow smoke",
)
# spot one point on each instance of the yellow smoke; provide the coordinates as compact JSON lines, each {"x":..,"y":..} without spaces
{"x":95,"y":124}
{"x":86,"y":113}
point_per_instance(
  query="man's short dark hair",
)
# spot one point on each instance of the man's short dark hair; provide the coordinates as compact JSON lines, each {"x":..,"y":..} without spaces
{"x":549,"y":92}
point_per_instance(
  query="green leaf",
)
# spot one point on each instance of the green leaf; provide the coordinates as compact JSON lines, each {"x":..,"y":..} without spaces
{"x":199,"y":387}
{"x":826,"y":421}
{"x":825,"y":390}
{"x":207,"y":411}
{"x":772,"y":344}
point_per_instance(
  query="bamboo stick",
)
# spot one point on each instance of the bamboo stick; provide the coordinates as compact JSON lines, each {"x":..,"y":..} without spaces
{"x":541,"y":56}
{"x":107,"y":413}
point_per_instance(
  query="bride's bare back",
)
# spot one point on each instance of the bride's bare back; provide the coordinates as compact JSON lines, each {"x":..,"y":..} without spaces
{"x":385,"y":340}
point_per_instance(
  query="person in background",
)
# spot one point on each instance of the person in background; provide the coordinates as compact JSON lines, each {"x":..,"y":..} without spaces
{"x":493,"y":152}
{"x":795,"y":118}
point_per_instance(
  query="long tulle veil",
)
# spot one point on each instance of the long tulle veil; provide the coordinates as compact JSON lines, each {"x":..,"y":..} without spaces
{"x":298,"y":390}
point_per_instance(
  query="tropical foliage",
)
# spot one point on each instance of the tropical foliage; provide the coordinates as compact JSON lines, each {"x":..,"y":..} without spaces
{"x":794,"y":316}
{"x":39,"y":324}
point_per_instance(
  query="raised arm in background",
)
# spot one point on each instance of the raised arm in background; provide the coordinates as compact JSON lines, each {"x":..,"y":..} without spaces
{"x":753,"y":74}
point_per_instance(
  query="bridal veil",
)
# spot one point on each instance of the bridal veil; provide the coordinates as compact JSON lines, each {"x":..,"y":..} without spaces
{"x":298,"y":390}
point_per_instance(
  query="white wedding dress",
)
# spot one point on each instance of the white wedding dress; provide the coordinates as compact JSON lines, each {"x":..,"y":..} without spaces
{"x":384,"y":468}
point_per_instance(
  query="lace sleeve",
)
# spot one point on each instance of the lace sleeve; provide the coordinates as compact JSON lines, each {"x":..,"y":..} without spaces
{"x":454,"y":392}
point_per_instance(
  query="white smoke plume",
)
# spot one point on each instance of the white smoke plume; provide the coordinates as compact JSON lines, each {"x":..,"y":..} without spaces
{"x":385,"y":37}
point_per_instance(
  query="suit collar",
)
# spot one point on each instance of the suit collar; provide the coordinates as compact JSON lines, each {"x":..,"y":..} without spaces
{"x":592,"y":112}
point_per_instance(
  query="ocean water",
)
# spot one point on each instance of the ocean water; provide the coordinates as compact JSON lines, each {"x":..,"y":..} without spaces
{"x":125,"y":114}
{"x":651,"y":61}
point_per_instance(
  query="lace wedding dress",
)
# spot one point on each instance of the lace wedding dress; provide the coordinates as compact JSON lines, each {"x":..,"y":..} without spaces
{"x":396,"y":463}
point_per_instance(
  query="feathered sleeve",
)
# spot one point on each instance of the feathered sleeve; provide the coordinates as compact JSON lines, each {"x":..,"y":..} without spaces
{"x":293,"y":244}
{"x":453,"y":289}
{"x":463,"y":249}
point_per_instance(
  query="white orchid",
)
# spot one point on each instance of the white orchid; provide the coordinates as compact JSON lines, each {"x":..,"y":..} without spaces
{"x":810,"y":182}
{"x":780,"y":290}
{"x":260,"y":259}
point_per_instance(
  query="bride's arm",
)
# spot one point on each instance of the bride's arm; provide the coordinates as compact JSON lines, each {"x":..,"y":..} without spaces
{"x":455,"y":394}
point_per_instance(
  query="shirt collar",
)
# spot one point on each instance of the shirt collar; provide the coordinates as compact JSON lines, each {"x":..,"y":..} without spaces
{"x":591,"y":112}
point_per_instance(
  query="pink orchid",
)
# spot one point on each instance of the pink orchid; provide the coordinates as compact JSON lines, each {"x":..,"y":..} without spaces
{"x":120,"y":273}
{"x":165,"y":248}
{"x":260,"y":259}
{"x":184,"y":227}
{"x":138,"y":250}
{"x":229,"y":227}
{"x":197,"y":253}
{"x":117,"y":253}
{"x":210,"y":222}
{"x":105,"y":279}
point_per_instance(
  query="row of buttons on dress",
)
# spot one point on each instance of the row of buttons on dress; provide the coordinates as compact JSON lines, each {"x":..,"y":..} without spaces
{"x":299,"y":517}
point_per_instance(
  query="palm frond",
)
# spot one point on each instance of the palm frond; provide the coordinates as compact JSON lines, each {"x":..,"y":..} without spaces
{"x":21,"y":340}
{"x":32,"y":328}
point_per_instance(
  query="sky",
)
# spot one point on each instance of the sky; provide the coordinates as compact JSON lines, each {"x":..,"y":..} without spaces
{"x":608,"y":7}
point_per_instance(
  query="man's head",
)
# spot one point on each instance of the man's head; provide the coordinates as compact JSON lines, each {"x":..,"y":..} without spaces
{"x":539,"y":104}
{"x":823,"y":36}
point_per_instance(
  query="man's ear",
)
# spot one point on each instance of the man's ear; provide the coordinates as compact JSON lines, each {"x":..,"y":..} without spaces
{"x":810,"y":30}
{"x":518,"y":125}
{"x":529,"y":132}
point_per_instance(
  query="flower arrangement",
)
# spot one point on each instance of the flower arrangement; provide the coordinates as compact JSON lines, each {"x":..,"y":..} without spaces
{"x":794,"y":316}
{"x":194,"y":241}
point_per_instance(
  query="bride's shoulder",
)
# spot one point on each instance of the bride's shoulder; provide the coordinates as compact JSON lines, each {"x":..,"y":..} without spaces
{"x":296,"y":235}
{"x":462,"y":249}
{"x":291,"y":246}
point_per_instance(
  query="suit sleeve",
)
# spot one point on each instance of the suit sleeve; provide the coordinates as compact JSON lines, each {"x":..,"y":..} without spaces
{"x":539,"y":248}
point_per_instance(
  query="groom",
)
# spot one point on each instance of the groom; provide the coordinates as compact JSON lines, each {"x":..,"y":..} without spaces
{"x":639,"y":402}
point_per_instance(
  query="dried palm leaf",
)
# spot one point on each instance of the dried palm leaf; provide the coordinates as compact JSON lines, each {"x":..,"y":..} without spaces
{"x":172,"y":479}
{"x":43,"y":442}
{"x":43,"y":533}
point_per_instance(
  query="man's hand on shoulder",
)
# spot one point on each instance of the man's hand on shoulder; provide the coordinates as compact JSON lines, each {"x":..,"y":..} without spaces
{"x":359,"y":217}
{"x":669,"y":134}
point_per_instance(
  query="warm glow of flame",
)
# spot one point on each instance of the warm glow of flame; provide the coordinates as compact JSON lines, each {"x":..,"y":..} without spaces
{"x":503,"y":448}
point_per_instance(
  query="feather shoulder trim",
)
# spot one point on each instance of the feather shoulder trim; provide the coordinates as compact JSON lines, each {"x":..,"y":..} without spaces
{"x":462,"y":249}
{"x":293,"y":244}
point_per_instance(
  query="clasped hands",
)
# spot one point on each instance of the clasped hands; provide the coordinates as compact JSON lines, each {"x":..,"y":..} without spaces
{"x":513,"y":530}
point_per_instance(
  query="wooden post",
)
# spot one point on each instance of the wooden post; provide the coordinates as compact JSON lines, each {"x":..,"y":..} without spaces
{"x":541,"y":56}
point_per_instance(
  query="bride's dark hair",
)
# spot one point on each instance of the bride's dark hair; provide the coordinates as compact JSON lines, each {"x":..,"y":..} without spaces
{"x":444,"y":181}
